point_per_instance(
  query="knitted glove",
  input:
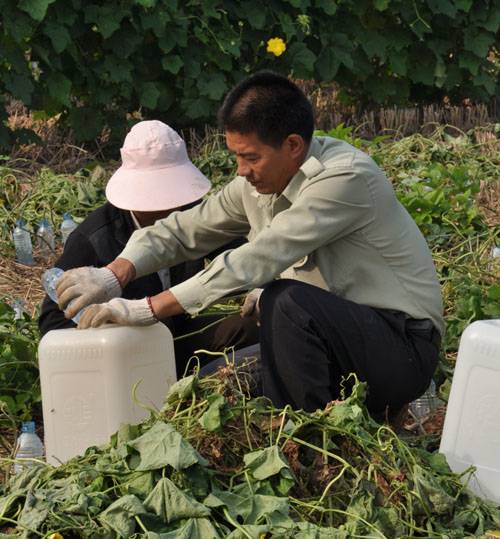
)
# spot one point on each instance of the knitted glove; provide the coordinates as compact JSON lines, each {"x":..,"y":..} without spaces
{"x":84,"y":286}
{"x":124,"y":312}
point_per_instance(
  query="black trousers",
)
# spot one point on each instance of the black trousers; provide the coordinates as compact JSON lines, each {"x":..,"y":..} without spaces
{"x":311,"y":338}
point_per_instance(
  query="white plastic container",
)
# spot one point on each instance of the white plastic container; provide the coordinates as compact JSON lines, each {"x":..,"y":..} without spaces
{"x":471,"y":434}
{"x":87,"y":380}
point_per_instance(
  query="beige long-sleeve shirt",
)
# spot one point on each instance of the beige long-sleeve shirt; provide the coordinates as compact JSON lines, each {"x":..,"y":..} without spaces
{"x":337,"y":225}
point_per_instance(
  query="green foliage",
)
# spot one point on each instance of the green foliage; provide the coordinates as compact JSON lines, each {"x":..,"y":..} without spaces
{"x":93,"y":62}
{"x":345,"y":476}
{"x":19,"y":383}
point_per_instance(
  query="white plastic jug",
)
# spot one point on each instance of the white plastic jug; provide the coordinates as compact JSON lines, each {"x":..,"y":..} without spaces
{"x":471,"y":434}
{"x":87,"y":380}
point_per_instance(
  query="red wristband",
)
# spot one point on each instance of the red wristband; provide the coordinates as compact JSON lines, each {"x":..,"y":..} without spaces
{"x":148,"y":299}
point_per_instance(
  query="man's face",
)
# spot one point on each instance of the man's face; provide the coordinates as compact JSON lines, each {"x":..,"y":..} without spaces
{"x":148,"y":218}
{"x":267,"y":168}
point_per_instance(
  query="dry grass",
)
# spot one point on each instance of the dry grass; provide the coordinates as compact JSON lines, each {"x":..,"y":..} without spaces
{"x":24,"y":282}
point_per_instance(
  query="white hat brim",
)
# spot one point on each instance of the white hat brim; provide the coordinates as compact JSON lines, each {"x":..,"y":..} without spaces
{"x":156,"y":189}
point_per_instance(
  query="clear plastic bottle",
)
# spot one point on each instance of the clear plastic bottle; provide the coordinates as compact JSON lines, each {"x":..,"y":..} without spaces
{"x":49,"y":280}
{"x":18,"y":305}
{"x":29,"y":446}
{"x":46,"y":240}
{"x":22,"y":243}
{"x":426,"y":404}
{"x":495,"y":252}
{"x":67,"y":227}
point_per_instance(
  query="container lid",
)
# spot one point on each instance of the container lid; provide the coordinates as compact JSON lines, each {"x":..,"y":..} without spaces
{"x":20,"y":222}
{"x":28,"y":426}
{"x":67,"y":216}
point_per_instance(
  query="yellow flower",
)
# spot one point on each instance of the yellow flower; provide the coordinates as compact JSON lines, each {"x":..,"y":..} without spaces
{"x":56,"y":536}
{"x":276,"y":45}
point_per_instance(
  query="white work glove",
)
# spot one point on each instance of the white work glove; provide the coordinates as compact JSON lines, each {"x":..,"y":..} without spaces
{"x":251,"y":304}
{"x":124,"y":312}
{"x":85,"y":286}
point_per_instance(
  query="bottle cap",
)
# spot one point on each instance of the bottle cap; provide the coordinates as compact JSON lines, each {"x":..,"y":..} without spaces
{"x":28,"y":426}
{"x":20,"y":222}
{"x":66,"y":216}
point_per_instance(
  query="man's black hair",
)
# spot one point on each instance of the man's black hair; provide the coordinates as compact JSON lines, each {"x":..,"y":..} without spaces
{"x":269,"y":105}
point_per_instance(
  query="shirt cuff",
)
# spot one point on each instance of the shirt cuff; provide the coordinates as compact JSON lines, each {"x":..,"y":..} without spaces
{"x":191,"y":294}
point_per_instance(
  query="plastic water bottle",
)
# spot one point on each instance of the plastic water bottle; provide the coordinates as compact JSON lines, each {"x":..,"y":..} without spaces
{"x":49,"y":281}
{"x":29,"y":446}
{"x":22,"y":243}
{"x":495,"y":252}
{"x":18,"y":306}
{"x":46,"y":240}
{"x":426,"y":404}
{"x":67,"y":227}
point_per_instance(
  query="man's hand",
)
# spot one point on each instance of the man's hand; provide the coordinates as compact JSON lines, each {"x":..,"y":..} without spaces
{"x":251,"y":304}
{"x":84,"y":286}
{"x":125,"y":312}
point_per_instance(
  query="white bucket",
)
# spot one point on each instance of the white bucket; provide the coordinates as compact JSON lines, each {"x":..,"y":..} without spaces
{"x":87,"y":380}
{"x":471,"y":434}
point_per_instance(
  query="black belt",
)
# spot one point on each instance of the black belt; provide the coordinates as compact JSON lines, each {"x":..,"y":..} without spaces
{"x":423,"y":328}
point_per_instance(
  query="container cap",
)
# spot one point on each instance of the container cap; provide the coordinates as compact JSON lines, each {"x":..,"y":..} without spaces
{"x":20,"y":222}
{"x":66,"y":216}
{"x":28,"y":427}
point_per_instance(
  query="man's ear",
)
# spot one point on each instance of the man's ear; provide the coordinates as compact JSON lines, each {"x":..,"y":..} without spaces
{"x":295,"y":145}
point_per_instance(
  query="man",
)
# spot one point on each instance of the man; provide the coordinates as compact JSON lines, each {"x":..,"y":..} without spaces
{"x":358,"y":290}
{"x":155,"y":179}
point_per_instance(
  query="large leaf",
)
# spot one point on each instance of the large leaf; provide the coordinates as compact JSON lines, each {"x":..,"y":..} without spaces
{"x":170,"y":503}
{"x":194,"y":528}
{"x":35,"y":8}
{"x":266,"y":462}
{"x":211,"y":420}
{"x":119,"y":516}
{"x":162,"y":445}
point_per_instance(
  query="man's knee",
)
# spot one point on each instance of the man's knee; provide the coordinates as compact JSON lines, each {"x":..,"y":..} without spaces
{"x":282,"y":295}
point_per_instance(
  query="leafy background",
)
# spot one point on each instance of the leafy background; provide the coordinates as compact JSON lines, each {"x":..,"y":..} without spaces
{"x":94,"y":62}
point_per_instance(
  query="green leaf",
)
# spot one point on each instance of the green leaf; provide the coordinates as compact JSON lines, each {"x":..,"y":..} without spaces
{"x":381,"y":5}
{"x":478,"y":42}
{"x":328,"y":6}
{"x":58,"y":34}
{"x":37,"y":9}
{"x":198,"y":528}
{"x":374,"y":44}
{"x":119,"y":516}
{"x":486,"y":80}
{"x":266,"y":462}
{"x":60,"y":88}
{"x":19,"y":86}
{"x":254,"y":13}
{"x":445,"y":7}
{"x":148,"y":95}
{"x":162,"y":445}
{"x":211,"y":419}
{"x":464,"y":5}
{"x":494,"y":292}
{"x":170,"y":503}
{"x":182,"y":389}
{"x":327,"y":64}
{"x":214,"y":85}
{"x":440,"y":73}
{"x":172,"y":63}
{"x":469,"y":61}
{"x":303,"y":60}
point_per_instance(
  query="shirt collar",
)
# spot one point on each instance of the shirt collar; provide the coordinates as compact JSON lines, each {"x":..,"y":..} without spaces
{"x":309,"y":168}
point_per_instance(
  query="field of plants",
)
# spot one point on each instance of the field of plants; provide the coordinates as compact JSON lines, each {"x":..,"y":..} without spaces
{"x":213,"y":463}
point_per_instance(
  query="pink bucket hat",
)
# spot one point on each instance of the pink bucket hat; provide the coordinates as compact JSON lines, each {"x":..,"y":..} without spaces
{"x":156,"y":173}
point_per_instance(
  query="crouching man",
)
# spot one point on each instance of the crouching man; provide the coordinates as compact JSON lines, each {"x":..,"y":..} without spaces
{"x":349,"y":282}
